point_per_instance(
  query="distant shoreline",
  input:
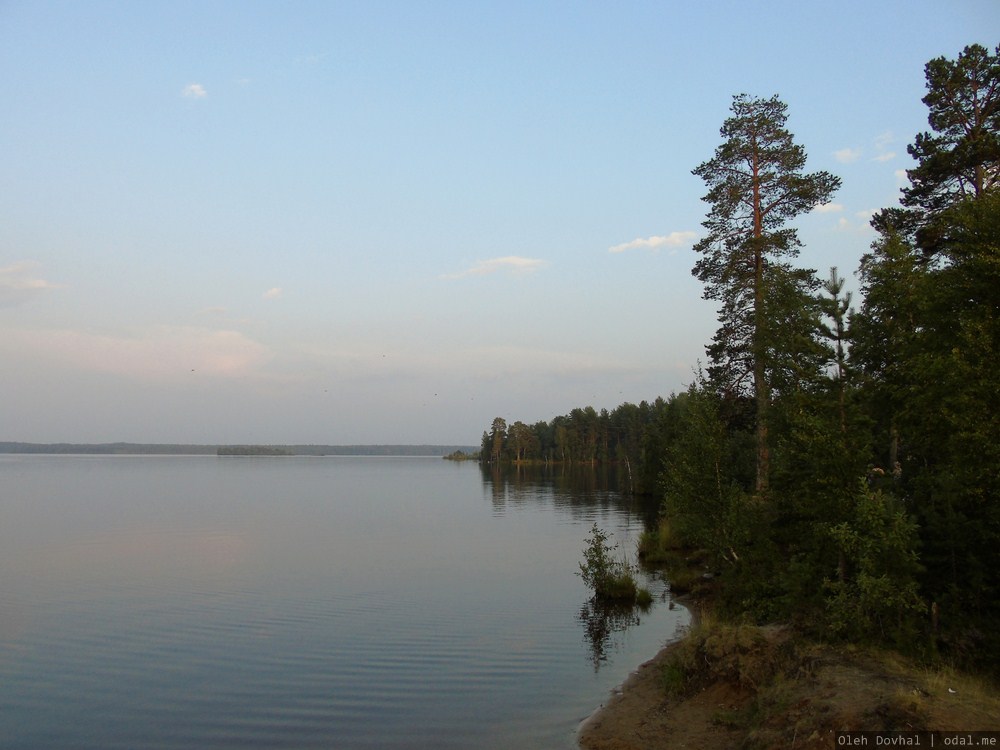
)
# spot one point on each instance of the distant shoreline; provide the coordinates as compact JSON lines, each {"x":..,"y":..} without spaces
{"x":191,"y":449}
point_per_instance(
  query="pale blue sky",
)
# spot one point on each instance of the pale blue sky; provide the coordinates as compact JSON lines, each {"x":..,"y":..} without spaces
{"x":390,"y":222}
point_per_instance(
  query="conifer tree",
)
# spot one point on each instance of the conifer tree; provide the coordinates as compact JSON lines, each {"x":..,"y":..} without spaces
{"x":927,"y":340}
{"x":756,"y":187}
{"x":498,"y":439}
{"x":960,"y":159}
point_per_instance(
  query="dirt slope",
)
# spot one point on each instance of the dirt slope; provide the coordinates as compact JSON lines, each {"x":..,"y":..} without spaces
{"x":743,"y":687}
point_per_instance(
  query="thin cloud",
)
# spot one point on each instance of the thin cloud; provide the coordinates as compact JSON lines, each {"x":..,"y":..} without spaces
{"x":859,"y":223}
{"x":829,"y":208}
{"x":501,"y":361}
{"x":216,"y":311}
{"x":847,"y":155}
{"x":160,"y":353}
{"x":883,"y":140}
{"x":194,"y":91}
{"x":674,"y":239}
{"x":273,"y":293}
{"x":882,"y":143}
{"x":219,"y":315}
{"x":19,"y":283}
{"x":513,"y":264}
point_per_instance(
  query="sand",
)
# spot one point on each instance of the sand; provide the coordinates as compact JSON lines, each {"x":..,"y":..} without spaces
{"x":639,"y":715}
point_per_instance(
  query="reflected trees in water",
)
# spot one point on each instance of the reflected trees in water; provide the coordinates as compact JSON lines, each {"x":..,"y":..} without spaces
{"x":602,"y":622}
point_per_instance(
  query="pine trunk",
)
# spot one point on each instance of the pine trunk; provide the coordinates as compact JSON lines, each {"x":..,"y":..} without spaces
{"x":761,"y":394}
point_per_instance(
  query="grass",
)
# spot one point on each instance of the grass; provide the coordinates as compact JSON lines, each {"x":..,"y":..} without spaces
{"x":619,"y":586}
{"x":684,"y":567}
{"x":658,"y":546}
{"x":746,"y":656}
{"x":675,"y":679}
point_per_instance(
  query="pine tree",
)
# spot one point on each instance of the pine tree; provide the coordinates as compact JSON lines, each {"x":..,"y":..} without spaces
{"x":498,"y":440}
{"x":961,"y":158}
{"x":927,"y":342}
{"x":756,"y":186}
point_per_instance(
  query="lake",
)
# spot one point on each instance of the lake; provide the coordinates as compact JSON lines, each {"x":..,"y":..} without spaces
{"x":306,"y":602}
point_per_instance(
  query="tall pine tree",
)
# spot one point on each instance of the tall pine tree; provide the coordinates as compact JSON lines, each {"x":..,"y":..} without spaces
{"x":960,"y":159}
{"x":756,"y":187}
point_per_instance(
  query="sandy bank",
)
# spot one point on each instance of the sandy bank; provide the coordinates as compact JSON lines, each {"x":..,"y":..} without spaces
{"x":778,"y":689}
{"x":639,"y":715}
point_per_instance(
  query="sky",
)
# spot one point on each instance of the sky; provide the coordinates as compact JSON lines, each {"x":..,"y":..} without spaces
{"x":391,"y":222}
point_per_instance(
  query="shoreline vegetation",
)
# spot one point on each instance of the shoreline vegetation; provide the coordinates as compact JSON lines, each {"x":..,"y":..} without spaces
{"x":828,"y":483}
{"x":610,"y":575}
{"x":178,"y":449}
{"x":730,"y":686}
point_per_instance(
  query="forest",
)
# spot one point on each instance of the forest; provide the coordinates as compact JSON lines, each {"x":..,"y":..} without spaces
{"x":838,"y":461}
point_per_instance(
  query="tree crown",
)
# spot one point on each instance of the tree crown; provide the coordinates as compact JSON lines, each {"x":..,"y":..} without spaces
{"x":756,"y":185}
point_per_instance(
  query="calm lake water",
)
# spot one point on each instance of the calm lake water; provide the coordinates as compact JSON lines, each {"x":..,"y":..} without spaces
{"x":341,"y":602}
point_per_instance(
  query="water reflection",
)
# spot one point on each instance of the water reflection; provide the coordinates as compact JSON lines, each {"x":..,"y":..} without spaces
{"x":601,"y":622}
{"x":578,"y":488}
{"x":585,"y":493}
{"x":308,"y":602}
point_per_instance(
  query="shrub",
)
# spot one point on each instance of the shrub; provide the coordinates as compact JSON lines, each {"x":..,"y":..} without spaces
{"x":877,"y":598}
{"x":610,"y":577}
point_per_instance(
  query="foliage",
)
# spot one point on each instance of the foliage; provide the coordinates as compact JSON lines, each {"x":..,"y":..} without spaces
{"x":756,"y":186}
{"x":838,"y":468}
{"x":460,"y":455}
{"x":610,"y":577}
{"x":927,"y":343}
{"x":960,"y":159}
{"x":253,"y":450}
{"x":631,"y":436}
{"x":877,"y":593}
{"x":658,"y":545}
{"x":704,"y":501}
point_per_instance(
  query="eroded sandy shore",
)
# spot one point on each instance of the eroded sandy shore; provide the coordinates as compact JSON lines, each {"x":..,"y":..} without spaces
{"x":639,"y":715}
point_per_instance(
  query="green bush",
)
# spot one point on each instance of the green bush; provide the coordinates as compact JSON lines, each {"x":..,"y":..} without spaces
{"x":610,"y":577}
{"x":877,"y":598}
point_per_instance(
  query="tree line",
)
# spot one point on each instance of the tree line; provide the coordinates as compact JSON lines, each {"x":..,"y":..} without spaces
{"x":634,"y":436}
{"x":838,"y":466}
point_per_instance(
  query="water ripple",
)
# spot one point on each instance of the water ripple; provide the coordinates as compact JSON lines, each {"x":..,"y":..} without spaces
{"x":389,"y":621}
